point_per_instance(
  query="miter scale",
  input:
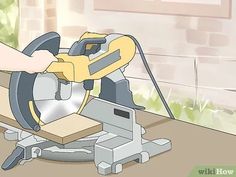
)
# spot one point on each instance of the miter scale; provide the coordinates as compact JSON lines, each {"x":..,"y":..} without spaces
{"x":64,"y":88}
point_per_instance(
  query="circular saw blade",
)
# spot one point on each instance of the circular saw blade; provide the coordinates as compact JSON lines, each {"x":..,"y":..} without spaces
{"x":21,"y":83}
{"x":45,"y":92}
{"x":37,"y":98}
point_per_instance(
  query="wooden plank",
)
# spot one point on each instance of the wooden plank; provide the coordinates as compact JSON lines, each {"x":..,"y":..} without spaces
{"x":2,"y":129}
{"x":65,"y":130}
{"x":4,"y":79}
{"x":70,"y":128}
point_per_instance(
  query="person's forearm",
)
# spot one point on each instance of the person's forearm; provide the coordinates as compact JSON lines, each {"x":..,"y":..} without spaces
{"x":13,"y":60}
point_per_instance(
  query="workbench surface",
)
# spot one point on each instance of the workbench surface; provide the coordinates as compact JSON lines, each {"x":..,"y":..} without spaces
{"x":192,"y":146}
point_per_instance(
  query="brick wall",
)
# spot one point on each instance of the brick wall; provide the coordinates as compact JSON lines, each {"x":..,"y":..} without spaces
{"x":50,"y":15}
{"x":31,"y":20}
{"x":36,"y":18}
{"x":166,"y":33}
{"x":171,"y":35}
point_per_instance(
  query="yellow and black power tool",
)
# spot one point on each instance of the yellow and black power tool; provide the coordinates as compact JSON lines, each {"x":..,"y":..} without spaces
{"x":65,"y":86}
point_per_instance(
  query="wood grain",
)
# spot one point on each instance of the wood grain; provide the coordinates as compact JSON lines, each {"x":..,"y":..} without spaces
{"x":4,"y":79}
{"x":65,"y":130}
{"x":70,"y":128}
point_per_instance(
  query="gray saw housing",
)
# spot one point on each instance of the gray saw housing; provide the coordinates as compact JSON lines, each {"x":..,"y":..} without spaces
{"x":21,"y":83}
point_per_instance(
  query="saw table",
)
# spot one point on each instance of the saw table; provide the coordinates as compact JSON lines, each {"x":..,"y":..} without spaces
{"x":192,"y":145}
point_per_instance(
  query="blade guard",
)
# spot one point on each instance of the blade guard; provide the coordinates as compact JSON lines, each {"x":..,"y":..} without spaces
{"x":21,"y":83}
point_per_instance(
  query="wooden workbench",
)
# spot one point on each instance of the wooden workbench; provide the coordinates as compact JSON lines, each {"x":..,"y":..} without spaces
{"x":192,"y":146}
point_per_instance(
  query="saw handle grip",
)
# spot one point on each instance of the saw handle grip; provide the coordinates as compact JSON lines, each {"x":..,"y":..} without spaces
{"x":79,"y":47}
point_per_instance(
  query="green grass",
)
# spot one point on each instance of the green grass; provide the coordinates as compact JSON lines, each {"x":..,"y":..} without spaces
{"x":203,"y":113}
{"x":9,"y":22}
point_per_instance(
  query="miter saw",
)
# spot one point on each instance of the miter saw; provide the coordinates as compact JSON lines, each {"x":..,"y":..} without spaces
{"x":64,"y":88}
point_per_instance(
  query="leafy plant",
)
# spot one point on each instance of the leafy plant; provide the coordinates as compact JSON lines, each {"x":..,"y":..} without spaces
{"x":4,"y":4}
{"x":202,"y":112}
{"x":9,"y":22}
{"x":176,"y":109}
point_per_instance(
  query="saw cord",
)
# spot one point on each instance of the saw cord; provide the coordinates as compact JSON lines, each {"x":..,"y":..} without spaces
{"x":84,"y":101}
{"x":145,"y":63}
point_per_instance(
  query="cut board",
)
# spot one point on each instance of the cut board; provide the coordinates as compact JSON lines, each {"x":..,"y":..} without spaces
{"x":63,"y":131}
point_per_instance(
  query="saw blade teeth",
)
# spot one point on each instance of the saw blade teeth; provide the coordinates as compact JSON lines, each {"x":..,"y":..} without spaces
{"x":52,"y":109}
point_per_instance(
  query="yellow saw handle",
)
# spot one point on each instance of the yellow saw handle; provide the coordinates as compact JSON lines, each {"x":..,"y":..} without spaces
{"x":120,"y":51}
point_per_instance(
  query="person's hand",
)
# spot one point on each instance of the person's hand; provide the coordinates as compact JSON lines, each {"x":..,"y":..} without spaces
{"x":40,"y":60}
